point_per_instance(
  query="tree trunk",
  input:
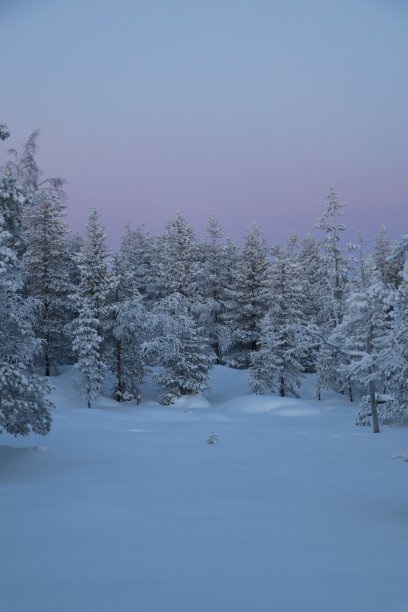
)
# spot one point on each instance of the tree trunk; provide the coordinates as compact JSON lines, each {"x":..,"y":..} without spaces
{"x":350,"y":390}
{"x":47,"y":365}
{"x":371,"y":384}
{"x":119,"y":385}
{"x":373,"y":404}
{"x":217,"y":351}
{"x":47,"y":361}
{"x":282,"y":386}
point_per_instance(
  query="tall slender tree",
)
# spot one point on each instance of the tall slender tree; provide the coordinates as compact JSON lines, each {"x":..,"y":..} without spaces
{"x":46,"y":271}
{"x":334,"y":281}
{"x":24,"y":405}
{"x":214,"y":264}
{"x":94,"y":291}
{"x":277,"y":365}
{"x":87,"y":347}
{"x":249,"y":297}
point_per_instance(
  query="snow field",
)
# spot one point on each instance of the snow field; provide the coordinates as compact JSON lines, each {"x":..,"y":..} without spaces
{"x":126,"y":507}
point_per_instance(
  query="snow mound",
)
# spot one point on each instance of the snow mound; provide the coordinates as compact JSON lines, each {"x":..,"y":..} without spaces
{"x":191,"y":402}
{"x":282,"y":406}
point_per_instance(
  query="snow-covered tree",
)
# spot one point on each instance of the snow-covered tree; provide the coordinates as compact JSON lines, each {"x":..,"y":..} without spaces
{"x":46,"y":271}
{"x":13,"y":199}
{"x":93,"y":261}
{"x":334,"y":277}
{"x":361,"y":336}
{"x":248,"y":297}
{"x":130,"y":333}
{"x":128,"y":320}
{"x":213,"y":276}
{"x":180,"y":348}
{"x":310,"y":265}
{"x":94,"y":292}
{"x":139,"y":251}
{"x":277,"y":365}
{"x":179,"y":268}
{"x":87,"y":347}
{"x":382,"y":252}
{"x":74,"y":246}
{"x":24,"y":406}
{"x":334,"y":281}
{"x":394,"y":363}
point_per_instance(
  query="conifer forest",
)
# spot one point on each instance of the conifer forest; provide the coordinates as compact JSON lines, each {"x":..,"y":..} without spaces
{"x":171,"y":306}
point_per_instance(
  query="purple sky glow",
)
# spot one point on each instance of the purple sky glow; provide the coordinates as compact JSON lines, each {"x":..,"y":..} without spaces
{"x":249,"y":110}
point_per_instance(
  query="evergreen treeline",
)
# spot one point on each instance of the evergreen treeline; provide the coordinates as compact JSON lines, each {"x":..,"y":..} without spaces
{"x":175,"y":305}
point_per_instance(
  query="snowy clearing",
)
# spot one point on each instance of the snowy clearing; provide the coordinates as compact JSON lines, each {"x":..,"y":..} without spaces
{"x":126,"y":507}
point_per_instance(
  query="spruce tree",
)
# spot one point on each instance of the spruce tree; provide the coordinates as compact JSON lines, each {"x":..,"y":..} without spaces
{"x":92,"y":301}
{"x":214,"y":263}
{"x":394,"y":358}
{"x":93,"y":262}
{"x":87,"y":347}
{"x":333,"y":280}
{"x":24,"y":406}
{"x":127,"y":328}
{"x":139,"y":250}
{"x":249,"y":298}
{"x":361,"y":334}
{"x":277,"y":365}
{"x":46,"y":272}
{"x":179,"y":266}
{"x":180,"y":347}
{"x":130,"y":333}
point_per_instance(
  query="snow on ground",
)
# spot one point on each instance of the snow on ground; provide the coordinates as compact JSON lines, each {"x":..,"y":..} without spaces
{"x":127,"y":508}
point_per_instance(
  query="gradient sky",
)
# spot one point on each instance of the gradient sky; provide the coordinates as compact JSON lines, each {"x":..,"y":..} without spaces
{"x":249,"y":109}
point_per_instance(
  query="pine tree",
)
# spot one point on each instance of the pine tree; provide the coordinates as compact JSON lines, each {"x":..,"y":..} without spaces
{"x":361,"y":334}
{"x":87,"y":347}
{"x":179,"y":343}
{"x":93,"y":262}
{"x":128,"y":326}
{"x":130,"y":334}
{"x":74,"y":246}
{"x":382,"y":252}
{"x":139,"y":250}
{"x":24,"y":406}
{"x":248,"y":298}
{"x":46,"y":270}
{"x":180,"y":348}
{"x":394,"y":358}
{"x":333,"y":277}
{"x":277,"y":365}
{"x":310,"y":264}
{"x":334,"y":280}
{"x":179,"y":268}
{"x":230,"y":258}
{"x":13,"y":199}
{"x":94,"y":291}
{"x":214,"y":263}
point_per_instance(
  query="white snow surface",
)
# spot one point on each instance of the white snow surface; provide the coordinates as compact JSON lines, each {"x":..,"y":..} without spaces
{"x":295,"y":509}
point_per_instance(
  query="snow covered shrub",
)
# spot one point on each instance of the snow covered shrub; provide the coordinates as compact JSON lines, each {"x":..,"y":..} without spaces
{"x":212,"y":438}
{"x":403,"y":456}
